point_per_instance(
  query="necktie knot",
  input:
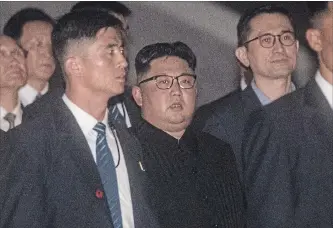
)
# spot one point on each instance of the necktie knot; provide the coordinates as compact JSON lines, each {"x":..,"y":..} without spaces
{"x":116,"y":116}
{"x":100,"y":128}
{"x":10,"y":117}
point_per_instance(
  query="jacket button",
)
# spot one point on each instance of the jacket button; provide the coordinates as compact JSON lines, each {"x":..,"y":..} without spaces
{"x":194,"y":170}
{"x":99,"y":194}
{"x":205,"y":198}
{"x":215,"y":225}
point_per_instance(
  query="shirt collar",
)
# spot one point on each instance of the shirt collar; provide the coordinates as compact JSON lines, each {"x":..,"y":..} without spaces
{"x":148,"y":132}
{"x":264,"y":100}
{"x":17,"y":111}
{"x":86,"y":121}
{"x":28,"y":94}
{"x":325,"y":87}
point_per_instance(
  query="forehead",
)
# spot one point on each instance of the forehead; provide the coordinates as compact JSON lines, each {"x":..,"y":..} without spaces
{"x":35,"y":29}
{"x":270,"y":22}
{"x":109,"y":35}
{"x":7,"y":42}
{"x":170,"y":65}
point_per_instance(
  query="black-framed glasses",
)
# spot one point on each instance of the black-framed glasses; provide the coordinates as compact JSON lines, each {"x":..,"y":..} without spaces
{"x":268,"y":40}
{"x":185,"y":81}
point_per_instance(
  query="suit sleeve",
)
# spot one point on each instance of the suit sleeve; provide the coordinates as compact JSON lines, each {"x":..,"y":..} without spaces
{"x":268,"y":178}
{"x":22,"y":183}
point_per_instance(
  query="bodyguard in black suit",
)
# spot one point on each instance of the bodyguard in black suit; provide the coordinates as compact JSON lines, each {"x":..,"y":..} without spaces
{"x":288,"y":146}
{"x":193,"y":179}
{"x":54,"y":171}
{"x":267,"y":45}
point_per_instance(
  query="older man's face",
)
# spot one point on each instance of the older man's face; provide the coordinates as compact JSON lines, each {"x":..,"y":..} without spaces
{"x":36,"y":41}
{"x":170,"y":109}
{"x":12,"y":64}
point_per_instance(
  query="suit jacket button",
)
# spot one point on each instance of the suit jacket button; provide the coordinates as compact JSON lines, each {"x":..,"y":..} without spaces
{"x":194,"y":170}
{"x":99,"y":194}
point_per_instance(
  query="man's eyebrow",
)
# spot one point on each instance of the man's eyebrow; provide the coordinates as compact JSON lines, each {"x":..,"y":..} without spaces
{"x":112,"y":45}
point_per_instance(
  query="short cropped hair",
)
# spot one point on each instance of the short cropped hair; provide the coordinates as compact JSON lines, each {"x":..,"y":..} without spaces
{"x":79,"y":26}
{"x":150,"y":52}
{"x":244,"y":28}
{"x":14,"y":26}
{"x":115,"y":7}
{"x":316,"y":10}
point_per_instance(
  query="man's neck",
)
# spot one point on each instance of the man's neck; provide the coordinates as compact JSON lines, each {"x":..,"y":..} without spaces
{"x":8,"y":99}
{"x":177,"y":134}
{"x":93,"y":104}
{"x":274,"y":88}
{"x":38,"y":85}
{"x":326,"y":73}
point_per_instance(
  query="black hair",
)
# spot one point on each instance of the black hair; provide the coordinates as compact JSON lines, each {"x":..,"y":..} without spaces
{"x":14,"y":26}
{"x":79,"y":25}
{"x":316,"y":9}
{"x":157,"y":50}
{"x":244,"y":28}
{"x":113,"y":6}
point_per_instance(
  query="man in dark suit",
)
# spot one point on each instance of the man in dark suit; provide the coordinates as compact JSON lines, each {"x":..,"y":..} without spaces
{"x":31,"y":28}
{"x":72,"y":167}
{"x":193,"y":179}
{"x":267,"y":45}
{"x":288,"y":146}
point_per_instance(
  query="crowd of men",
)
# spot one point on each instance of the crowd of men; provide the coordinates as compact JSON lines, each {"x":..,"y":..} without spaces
{"x":79,"y":148}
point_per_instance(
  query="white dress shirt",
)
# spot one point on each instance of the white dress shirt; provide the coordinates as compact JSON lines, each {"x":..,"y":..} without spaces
{"x":243,"y":84}
{"x":325,"y":87}
{"x":87,"y":123}
{"x":4,"y":124}
{"x":28,"y":94}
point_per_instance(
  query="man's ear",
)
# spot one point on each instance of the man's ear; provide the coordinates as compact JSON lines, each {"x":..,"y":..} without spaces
{"x":73,"y":66}
{"x":313,"y":37}
{"x":137,"y":95}
{"x":241,"y":54}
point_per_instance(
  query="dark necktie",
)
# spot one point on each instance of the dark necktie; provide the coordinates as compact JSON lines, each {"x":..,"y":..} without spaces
{"x":108,"y":174}
{"x":10,"y":117}
{"x":116,"y":117}
{"x":38,"y":96}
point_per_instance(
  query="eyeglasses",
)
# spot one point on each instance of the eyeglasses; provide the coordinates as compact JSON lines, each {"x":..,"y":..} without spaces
{"x":268,"y":40}
{"x":185,"y":81}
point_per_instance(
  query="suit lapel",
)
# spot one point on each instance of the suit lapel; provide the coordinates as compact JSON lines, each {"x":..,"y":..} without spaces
{"x":250,"y":101}
{"x":319,"y":114}
{"x":73,"y":142}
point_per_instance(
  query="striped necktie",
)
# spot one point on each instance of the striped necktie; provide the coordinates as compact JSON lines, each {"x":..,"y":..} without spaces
{"x":116,"y":117}
{"x":107,"y":171}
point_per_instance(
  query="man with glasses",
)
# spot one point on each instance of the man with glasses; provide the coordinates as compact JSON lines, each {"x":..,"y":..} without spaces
{"x":268,"y":47}
{"x":288,"y":145}
{"x":193,"y":180}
